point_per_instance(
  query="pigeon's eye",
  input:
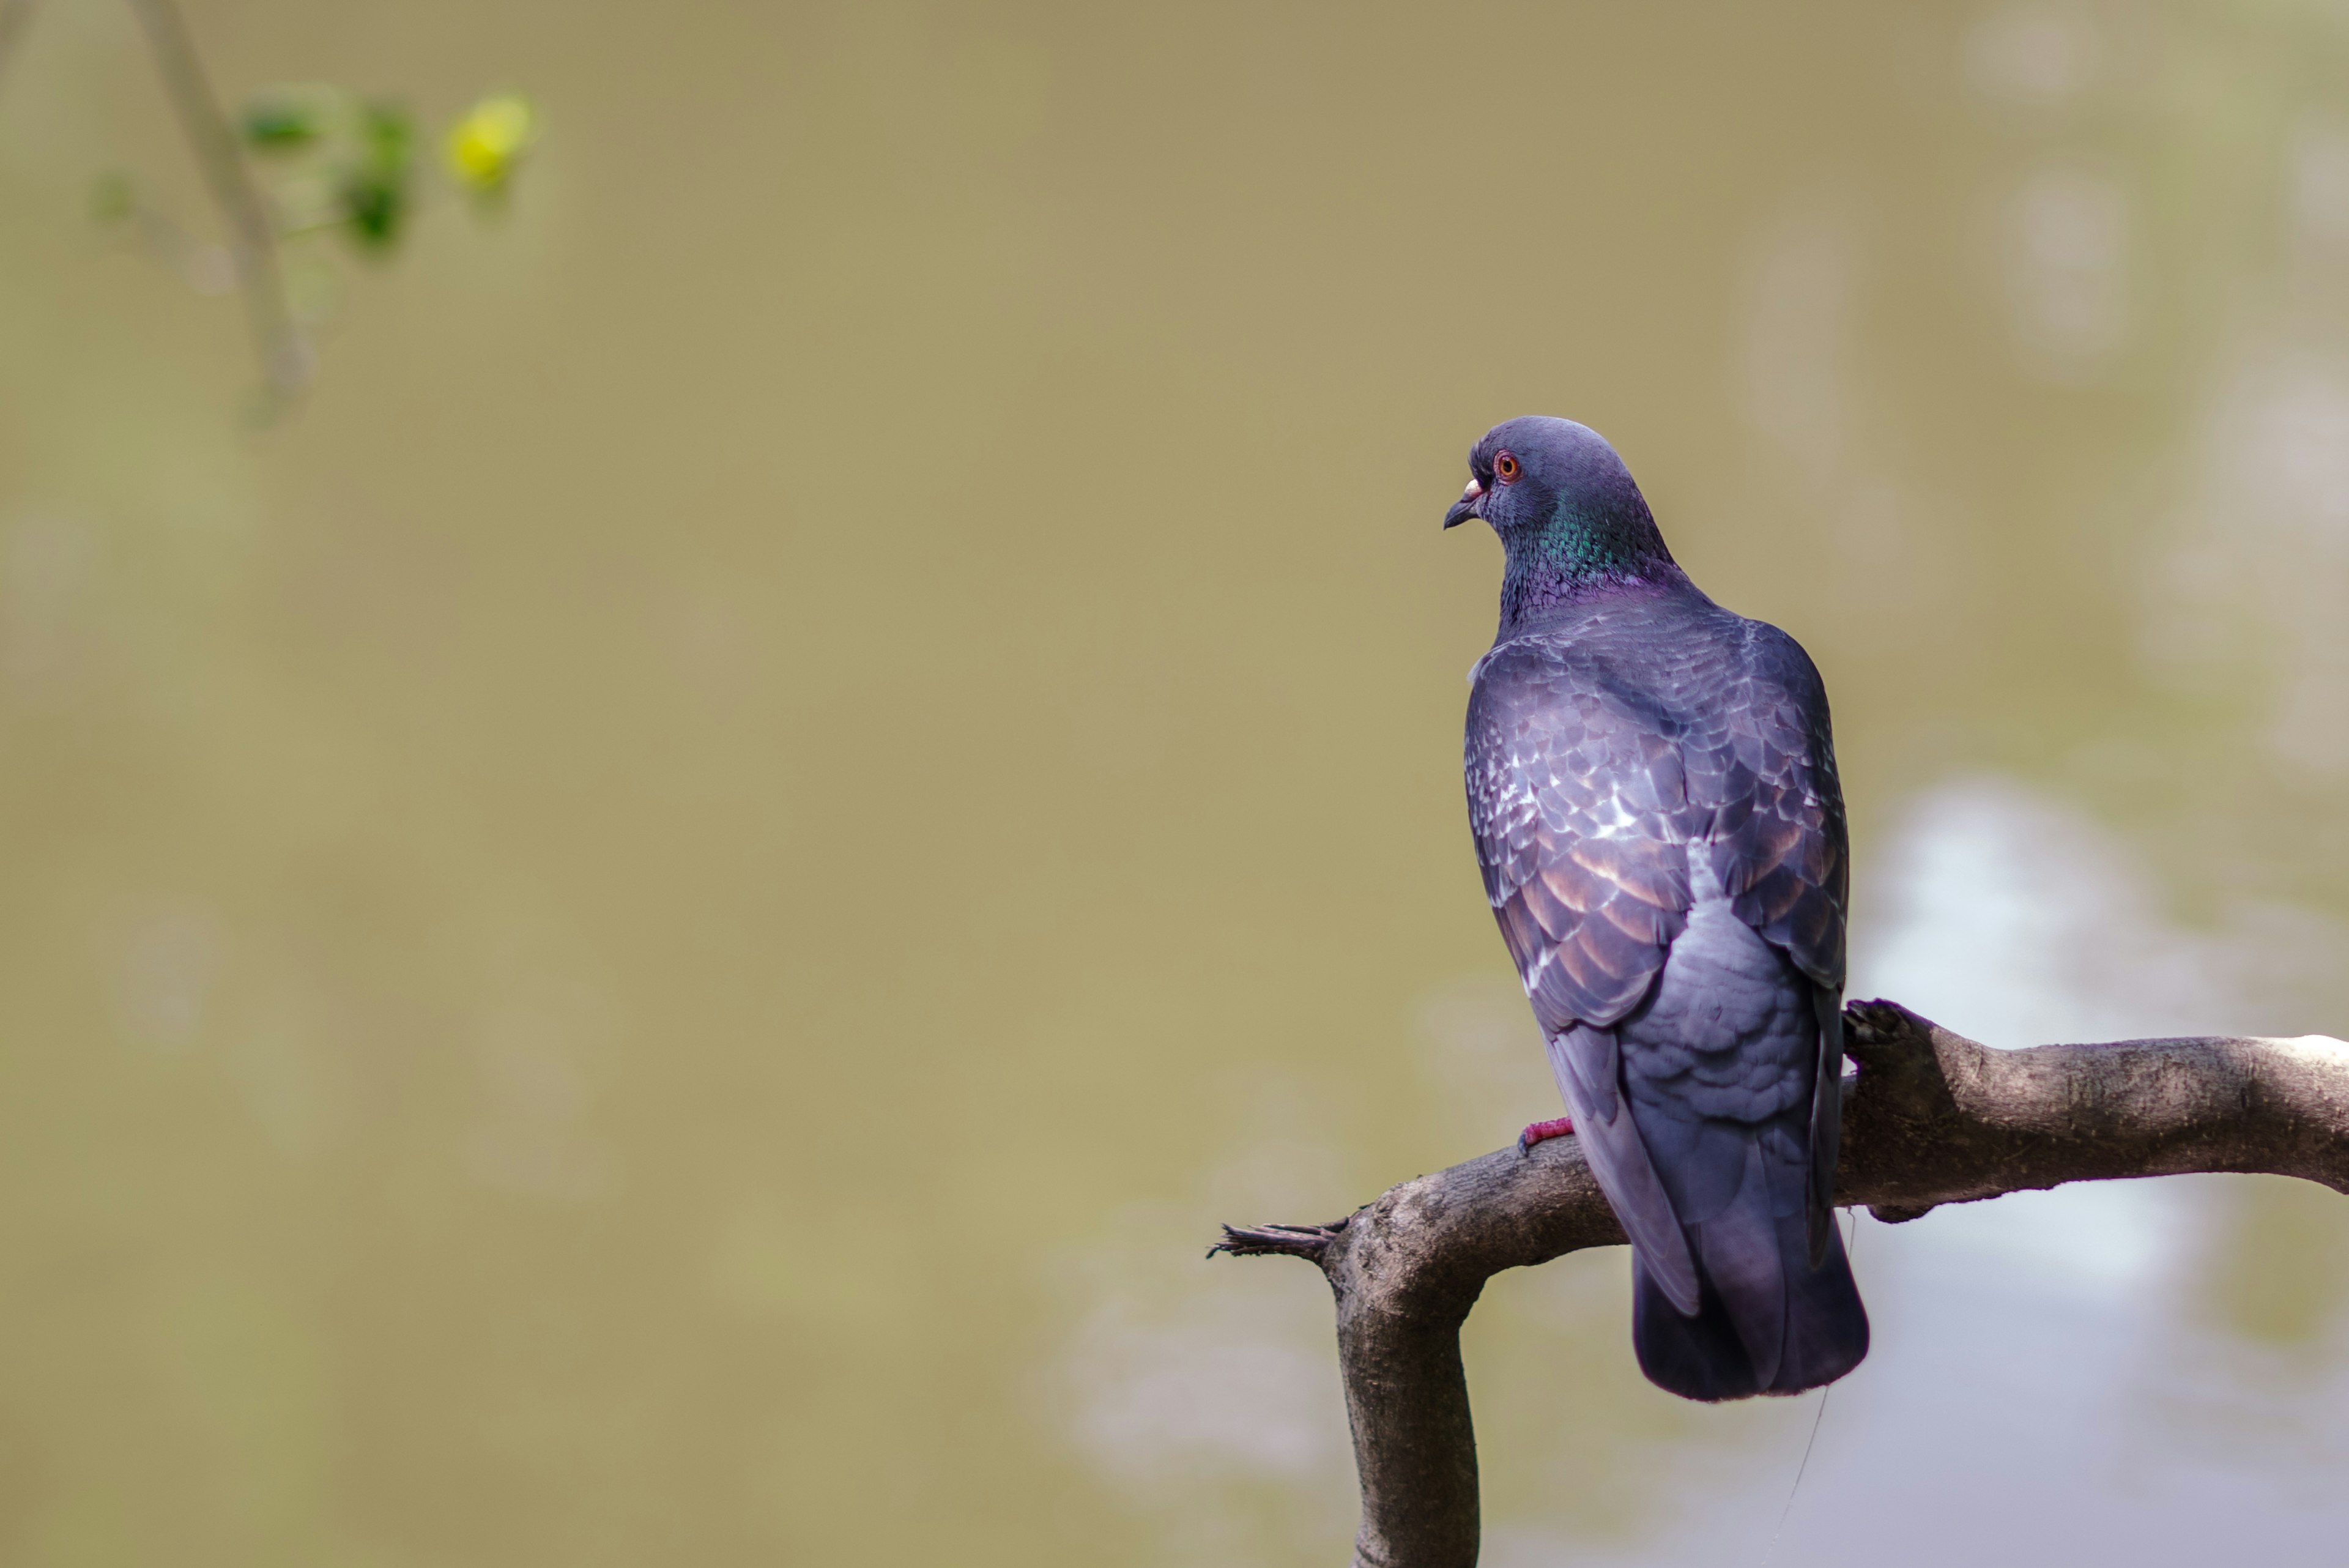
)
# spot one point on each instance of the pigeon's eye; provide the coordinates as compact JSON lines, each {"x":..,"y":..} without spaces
{"x":1505,"y":467}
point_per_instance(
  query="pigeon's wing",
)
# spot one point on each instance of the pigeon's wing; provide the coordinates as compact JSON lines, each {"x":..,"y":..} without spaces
{"x":1580,"y":811}
{"x":1762,"y":773}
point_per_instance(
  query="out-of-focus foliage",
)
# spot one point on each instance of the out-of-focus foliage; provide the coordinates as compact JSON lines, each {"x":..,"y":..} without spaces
{"x":286,"y":118}
{"x":375,"y":187}
{"x":343,"y":162}
{"x":488,"y":143}
{"x":311,"y":159}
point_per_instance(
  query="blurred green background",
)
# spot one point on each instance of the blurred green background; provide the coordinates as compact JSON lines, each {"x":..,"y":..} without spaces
{"x":653,"y":929}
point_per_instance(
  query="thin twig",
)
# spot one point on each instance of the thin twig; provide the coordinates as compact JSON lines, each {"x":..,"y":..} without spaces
{"x":1289,"y":1240}
{"x":278,"y":340}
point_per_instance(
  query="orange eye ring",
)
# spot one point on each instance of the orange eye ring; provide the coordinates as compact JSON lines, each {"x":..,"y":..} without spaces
{"x":1505,"y":467}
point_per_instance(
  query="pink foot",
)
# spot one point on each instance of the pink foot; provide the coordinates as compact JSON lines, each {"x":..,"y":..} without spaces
{"x":1542,"y":1131}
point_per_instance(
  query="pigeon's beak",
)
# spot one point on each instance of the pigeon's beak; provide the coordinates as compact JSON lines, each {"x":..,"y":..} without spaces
{"x":1465,"y":507}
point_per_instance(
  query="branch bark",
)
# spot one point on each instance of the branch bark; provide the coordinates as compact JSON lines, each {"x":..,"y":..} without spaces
{"x":1932,"y":1118}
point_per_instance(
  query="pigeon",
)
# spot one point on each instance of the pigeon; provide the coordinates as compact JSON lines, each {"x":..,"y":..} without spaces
{"x":1652,"y":784}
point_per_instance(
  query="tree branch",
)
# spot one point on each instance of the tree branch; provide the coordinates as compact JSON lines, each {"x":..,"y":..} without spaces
{"x":278,"y":340}
{"x":1932,"y":1118}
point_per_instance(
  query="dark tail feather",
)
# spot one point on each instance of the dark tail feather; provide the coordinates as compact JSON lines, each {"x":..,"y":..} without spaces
{"x":1824,"y":1334}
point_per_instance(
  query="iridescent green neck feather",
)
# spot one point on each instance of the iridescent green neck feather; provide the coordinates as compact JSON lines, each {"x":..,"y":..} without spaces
{"x":1581,"y":551}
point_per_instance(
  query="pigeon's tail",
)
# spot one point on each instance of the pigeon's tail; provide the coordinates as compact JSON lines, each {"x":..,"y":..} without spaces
{"x":1767,"y":1321}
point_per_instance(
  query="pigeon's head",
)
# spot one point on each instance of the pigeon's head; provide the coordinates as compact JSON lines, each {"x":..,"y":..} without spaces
{"x":1561,"y":501}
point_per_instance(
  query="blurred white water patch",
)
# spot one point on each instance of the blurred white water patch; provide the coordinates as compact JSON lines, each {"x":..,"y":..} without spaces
{"x":2037,"y":55}
{"x":2016,"y":920}
{"x":1221,"y":1387}
{"x":2256,"y":577}
{"x":2320,"y":184}
{"x":2061,"y":235}
{"x":2063,"y":255}
{"x":2052,"y":1354}
{"x":1207,"y":1392}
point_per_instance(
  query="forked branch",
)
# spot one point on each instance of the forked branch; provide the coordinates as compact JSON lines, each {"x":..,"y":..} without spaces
{"x":1932,"y":1118}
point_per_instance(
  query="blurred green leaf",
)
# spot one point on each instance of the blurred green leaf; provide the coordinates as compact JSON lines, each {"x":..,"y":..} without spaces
{"x":286,"y":120}
{"x":375,"y":208}
{"x":375,"y":196}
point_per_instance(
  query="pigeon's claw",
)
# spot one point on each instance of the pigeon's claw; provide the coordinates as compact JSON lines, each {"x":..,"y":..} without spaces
{"x":1542,"y":1131}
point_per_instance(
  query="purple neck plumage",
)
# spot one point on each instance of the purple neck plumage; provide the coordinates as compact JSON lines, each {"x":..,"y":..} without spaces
{"x":1541,"y":589}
